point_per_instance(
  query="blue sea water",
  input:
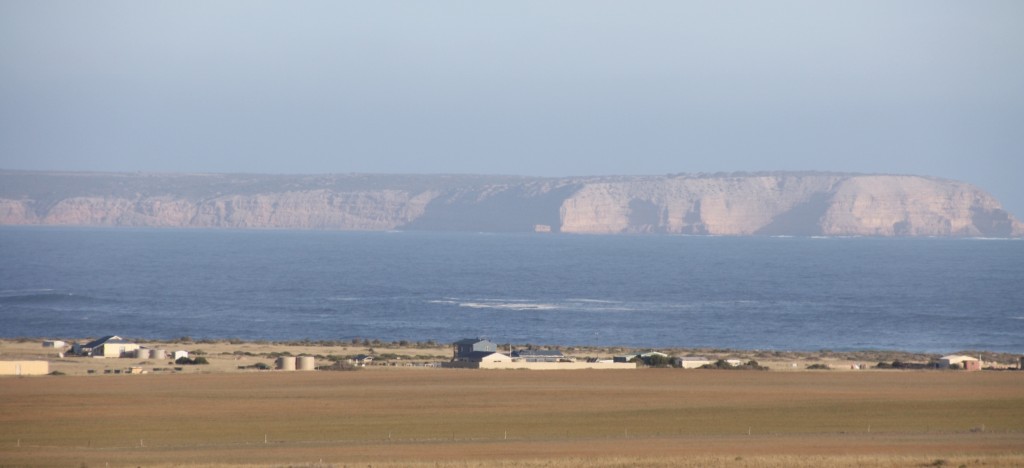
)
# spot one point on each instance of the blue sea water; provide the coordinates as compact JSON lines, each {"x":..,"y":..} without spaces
{"x":928,"y":295}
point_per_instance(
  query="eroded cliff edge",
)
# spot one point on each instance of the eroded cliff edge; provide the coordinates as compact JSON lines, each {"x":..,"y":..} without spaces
{"x":791,"y":203}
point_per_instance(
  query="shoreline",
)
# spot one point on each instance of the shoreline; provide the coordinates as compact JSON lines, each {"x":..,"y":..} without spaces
{"x":236,"y":355}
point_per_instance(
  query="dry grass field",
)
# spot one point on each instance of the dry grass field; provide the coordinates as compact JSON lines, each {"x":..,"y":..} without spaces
{"x":447,"y":417}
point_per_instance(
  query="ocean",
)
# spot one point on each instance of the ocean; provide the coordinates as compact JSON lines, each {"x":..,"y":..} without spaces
{"x":766,"y":293}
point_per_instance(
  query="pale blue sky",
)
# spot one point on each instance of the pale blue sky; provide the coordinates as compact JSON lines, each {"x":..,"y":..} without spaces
{"x":526,"y":87}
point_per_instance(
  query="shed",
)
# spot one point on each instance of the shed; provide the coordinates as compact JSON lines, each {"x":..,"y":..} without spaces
{"x":108,"y":346}
{"x":964,"y":362}
{"x":690,"y":362}
{"x":54,"y":344}
{"x":539,"y":355}
{"x":494,"y":357}
{"x":24,"y":367}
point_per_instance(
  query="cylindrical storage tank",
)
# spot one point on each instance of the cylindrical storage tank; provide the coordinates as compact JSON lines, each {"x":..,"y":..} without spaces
{"x":142,"y":353}
{"x":307,"y":363}
{"x":157,"y":354}
{"x":286,"y":363}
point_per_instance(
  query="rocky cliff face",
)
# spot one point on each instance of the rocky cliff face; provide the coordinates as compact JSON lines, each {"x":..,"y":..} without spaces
{"x":731,"y":204}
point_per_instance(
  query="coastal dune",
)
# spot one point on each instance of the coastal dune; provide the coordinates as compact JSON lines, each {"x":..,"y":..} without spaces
{"x":783,"y":203}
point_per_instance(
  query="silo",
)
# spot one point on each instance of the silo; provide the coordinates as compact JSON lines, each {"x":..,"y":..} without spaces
{"x":286,"y":363}
{"x":142,"y":353}
{"x":307,"y":363}
{"x":157,"y":354}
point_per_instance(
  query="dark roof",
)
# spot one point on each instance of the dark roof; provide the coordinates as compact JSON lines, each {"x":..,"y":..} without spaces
{"x":469,"y":341}
{"x":537,"y":352}
{"x":475,"y":355}
{"x":105,"y":340}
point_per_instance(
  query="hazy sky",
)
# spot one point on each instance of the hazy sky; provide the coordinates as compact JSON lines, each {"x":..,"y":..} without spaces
{"x":518,"y":87}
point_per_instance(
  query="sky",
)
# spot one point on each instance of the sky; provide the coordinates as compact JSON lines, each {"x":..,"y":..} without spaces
{"x":540,"y":88}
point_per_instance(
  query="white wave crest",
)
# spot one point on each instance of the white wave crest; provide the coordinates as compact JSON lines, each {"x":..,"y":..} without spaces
{"x":509,"y":305}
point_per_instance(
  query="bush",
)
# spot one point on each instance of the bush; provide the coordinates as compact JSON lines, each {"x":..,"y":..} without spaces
{"x":186,"y":361}
{"x":723,"y":364}
{"x":819,"y":366}
{"x":656,"y":360}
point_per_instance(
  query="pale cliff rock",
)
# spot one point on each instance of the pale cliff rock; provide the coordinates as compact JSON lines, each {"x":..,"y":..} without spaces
{"x":914,"y":206}
{"x":789,"y":204}
{"x":317,"y":209}
{"x":728,"y":204}
{"x":691,"y":205}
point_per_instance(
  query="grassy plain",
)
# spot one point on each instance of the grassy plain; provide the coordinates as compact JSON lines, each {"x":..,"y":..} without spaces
{"x":449,"y":417}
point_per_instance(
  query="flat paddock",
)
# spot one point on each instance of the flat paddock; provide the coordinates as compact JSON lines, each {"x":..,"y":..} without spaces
{"x":519,"y":418}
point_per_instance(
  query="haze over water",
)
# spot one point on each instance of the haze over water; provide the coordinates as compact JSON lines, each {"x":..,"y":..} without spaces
{"x":929,"y":295}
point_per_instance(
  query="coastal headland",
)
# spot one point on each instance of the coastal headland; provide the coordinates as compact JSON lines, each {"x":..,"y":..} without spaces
{"x":729,"y":204}
{"x":228,"y":413}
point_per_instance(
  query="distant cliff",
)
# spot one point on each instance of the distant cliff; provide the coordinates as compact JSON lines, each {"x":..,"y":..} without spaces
{"x":788,"y":203}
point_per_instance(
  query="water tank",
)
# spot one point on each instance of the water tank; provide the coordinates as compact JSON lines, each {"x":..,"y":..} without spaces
{"x":286,"y":363}
{"x":307,"y":363}
{"x":157,"y":354}
{"x":142,"y":353}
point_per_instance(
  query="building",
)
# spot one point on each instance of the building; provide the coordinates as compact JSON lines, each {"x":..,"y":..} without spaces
{"x":469,"y":346}
{"x":482,"y":354}
{"x":654,"y":358}
{"x":108,"y":346}
{"x":963,"y":362}
{"x":475,"y":350}
{"x":24,"y":367}
{"x":471,"y":353}
{"x":54,"y":344}
{"x":180,"y":354}
{"x":690,"y":362}
{"x":539,"y":355}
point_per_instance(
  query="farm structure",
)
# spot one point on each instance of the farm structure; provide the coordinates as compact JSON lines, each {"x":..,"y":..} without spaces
{"x":108,"y":346}
{"x":291,"y":363}
{"x":964,"y":362}
{"x":690,"y":362}
{"x":483,"y":354}
{"x":24,"y":367}
{"x":539,"y":355}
